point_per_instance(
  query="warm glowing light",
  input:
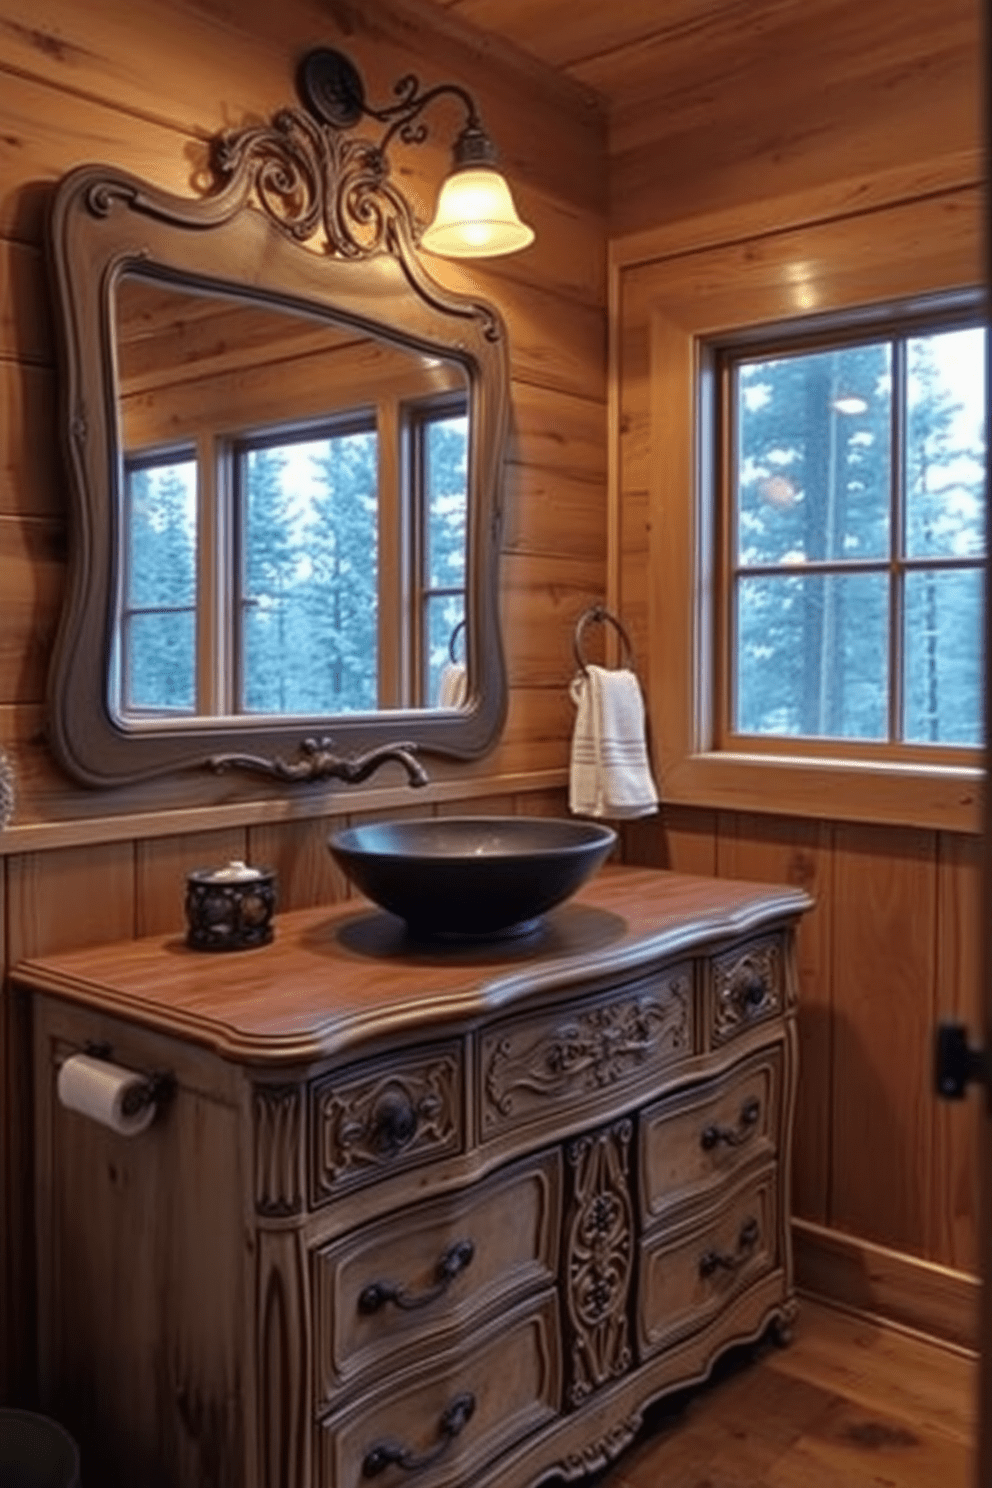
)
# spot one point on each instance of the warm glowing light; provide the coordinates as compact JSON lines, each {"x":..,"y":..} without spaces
{"x":476,"y":217}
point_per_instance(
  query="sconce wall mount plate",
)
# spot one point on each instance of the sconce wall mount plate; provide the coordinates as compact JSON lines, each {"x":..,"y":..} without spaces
{"x":476,"y":216}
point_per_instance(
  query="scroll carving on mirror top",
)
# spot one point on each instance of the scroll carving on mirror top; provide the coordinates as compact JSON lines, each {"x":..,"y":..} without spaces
{"x":284,"y":443}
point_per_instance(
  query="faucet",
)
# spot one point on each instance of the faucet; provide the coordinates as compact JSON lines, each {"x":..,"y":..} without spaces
{"x":320,"y":762}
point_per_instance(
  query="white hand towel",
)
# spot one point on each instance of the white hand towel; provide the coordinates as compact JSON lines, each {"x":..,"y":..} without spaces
{"x":611,"y":774}
{"x":452,"y":686}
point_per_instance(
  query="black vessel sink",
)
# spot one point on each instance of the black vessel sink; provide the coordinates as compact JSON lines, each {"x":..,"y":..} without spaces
{"x":471,"y":876}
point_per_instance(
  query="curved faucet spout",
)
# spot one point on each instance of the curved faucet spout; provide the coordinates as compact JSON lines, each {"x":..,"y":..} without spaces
{"x":318,"y":761}
{"x":360,"y":769}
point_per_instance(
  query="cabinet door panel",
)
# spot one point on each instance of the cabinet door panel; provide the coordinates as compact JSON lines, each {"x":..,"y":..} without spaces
{"x":507,"y":1386}
{"x":425,"y":1273}
{"x":694,"y":1142}
{"x":372,"y":1120}
{"x":551,"y":1066}
{"x":690,"y":1274}
{"x":746,"y":985}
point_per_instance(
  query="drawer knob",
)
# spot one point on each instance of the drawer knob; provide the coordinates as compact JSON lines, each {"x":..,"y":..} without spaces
{"x":451,"y":1264}
{"x":712,"y":1261}
{"x":394,"y":1122}
{"x":393,"y":1454}
{"x":733,"y":1136}
{"x":755,"y":991}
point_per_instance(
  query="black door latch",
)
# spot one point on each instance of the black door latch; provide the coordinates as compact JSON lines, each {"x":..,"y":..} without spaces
{"x":956,"y":1063}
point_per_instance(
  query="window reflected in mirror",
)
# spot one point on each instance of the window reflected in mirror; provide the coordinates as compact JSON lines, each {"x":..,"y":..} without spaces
{"x":294,"y":513}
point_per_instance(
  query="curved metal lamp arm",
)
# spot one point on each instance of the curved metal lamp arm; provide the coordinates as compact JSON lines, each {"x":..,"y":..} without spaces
{"x":332,"y":89}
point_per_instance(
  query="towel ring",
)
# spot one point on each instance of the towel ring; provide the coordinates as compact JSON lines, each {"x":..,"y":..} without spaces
{"x":600,"y":615}
{"x":452,"y":639}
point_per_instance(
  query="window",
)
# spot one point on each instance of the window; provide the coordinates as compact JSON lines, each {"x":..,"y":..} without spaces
{"x":854,"y":541}
{"x":308,"y":551}
{"x":302,"y":571}
{"x":157,"y":631}
{"x":439,"y":441}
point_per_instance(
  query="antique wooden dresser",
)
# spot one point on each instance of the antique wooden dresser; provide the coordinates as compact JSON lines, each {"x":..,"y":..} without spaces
{"x":451,"y":1217}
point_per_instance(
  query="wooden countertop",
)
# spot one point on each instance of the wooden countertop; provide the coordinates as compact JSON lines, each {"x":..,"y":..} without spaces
{"x":335,"y":978}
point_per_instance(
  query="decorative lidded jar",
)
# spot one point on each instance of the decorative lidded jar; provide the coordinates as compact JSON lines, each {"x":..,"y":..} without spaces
{"x":230,"y":908}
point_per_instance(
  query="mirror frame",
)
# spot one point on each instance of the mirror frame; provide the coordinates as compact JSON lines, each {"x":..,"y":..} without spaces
{"x":294,"y":218}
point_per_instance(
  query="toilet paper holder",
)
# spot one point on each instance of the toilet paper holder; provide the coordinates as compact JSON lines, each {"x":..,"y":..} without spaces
{"x":156,"y":1089}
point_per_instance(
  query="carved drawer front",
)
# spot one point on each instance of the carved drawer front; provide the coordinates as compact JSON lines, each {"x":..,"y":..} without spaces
{"x":446,"y":1423}
{"x":689,"y":1273}
{"x":746,"y":986}
{"x":692,"y":1143}
{"x":371,"y":1120}
{"x":428,"y":1271}
{"x":549,"y":1064}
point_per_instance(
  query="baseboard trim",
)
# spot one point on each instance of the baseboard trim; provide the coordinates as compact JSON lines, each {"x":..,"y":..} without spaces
{"x":886,"y":1284}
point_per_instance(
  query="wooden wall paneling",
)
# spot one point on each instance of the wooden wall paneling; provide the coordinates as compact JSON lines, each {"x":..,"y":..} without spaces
{"x":838,"y":91}
{"x":536,"y":736}
{"x":543,"y":597}
{"x":564,"y":32}
{"x":770,"y":849}
{"x":197,"y":62}
{"x":32,"y":482}
{"x":306,"y":874}
{"x":553,"y":803}
{"x":61,"y":900}
{"x":32,"y":573}
{"x":25,"y":316}
{"x":550,"y":512}
{"x":952,"y":1234}
{"x":48,"y":131}
{"x":558,"y":432}
{"x":884,"y":894}
{"x":678,"y":837}
{"x":161,"y":866}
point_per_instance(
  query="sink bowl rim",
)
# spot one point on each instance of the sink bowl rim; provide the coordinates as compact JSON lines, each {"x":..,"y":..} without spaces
{"x":588,"y":835}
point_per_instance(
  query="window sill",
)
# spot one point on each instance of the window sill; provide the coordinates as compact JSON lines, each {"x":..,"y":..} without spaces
{"x":946,"y":799}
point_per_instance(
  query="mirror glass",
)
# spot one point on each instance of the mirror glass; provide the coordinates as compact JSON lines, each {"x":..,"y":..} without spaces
{"x":285,"y":458}
{"x":293,"y":513}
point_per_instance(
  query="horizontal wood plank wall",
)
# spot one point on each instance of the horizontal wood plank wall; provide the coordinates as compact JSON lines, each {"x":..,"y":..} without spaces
{"x":143,"y":85}
{"x":764,"y":128}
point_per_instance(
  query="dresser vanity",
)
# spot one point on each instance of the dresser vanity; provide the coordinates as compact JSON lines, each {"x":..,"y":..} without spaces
{"x":406,"y":1215}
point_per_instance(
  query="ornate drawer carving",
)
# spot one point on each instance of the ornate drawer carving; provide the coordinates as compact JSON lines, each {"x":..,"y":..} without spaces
{"x":430,"y":1269}
{"x":449,"y":1423}
{"x":371,"y":1120}
{"x":693,"y":1143}
{"x":550,"y":1064}
{"x":688,"y":1274}
{"x":746,"y":986}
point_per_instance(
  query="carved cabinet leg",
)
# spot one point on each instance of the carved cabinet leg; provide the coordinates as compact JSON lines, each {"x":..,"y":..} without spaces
{"x":283,"y":1348}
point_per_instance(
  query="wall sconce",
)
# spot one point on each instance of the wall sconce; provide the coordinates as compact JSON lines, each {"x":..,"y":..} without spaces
{"x":475,"y":216}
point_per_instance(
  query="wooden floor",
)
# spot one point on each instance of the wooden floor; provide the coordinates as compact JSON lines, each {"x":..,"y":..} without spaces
{"x":846,"y":1405}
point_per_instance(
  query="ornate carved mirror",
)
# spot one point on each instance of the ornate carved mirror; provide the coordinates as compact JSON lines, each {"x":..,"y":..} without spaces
{"x":285,"y":449}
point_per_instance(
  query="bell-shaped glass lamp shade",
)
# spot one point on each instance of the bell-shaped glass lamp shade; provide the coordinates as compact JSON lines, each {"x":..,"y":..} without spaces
{"x":475,"y":217}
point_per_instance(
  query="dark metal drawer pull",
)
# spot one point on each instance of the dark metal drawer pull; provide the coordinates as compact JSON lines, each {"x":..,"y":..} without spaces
{"x":712,"y":1261}
{"x":755,"y":991}
{"x":451,"y":1264}
{"x":712,"y":1136}
{"x":393,"y":1454}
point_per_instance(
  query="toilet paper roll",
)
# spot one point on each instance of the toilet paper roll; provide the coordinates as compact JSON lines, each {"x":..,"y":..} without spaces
{"x":105,"y":1092}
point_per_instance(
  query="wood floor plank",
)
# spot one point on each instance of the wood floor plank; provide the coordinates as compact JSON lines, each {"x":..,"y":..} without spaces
{"x":847,"y":1403}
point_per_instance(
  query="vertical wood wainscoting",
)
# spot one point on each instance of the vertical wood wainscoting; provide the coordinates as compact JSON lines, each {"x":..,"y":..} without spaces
{"x":143,"y":85}
{"x":885,"y":1190}
{"x":831,"y":153}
